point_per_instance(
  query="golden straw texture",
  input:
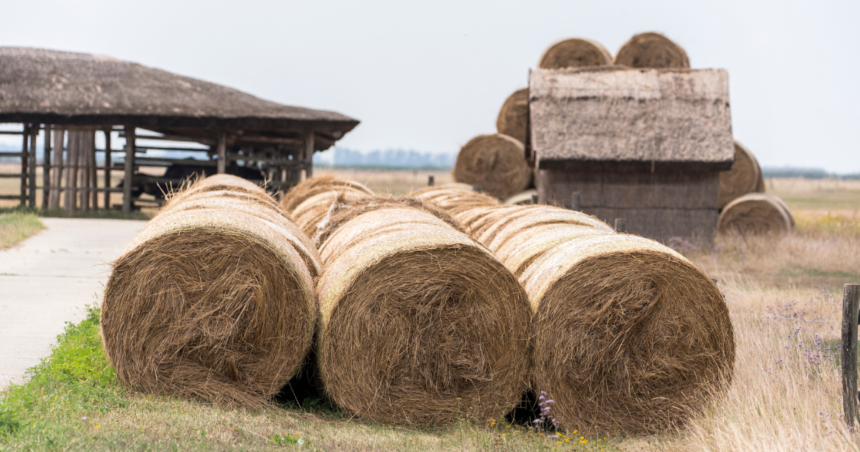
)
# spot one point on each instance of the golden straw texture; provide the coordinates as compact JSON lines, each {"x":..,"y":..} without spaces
{"x":496,"y":162}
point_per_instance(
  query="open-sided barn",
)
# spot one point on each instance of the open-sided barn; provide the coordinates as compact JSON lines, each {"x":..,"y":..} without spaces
{"x":82,"y":93}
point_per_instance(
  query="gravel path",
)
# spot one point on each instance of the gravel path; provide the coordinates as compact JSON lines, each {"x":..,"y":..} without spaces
{"x":47,"y":280}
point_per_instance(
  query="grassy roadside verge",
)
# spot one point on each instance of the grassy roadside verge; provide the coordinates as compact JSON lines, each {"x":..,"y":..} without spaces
{"x":17,"y":226}
{"x":73,"y":401}
{"x":144,"y":214}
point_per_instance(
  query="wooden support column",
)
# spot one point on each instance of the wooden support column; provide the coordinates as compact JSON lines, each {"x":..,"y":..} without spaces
{"x":25,"y":157}
{"x":129,"y":169}
{"x":34,"y":133}
{"x":309,"y":155}
{"x":94,"y":181}
{"x":222,"y":153}
{"x":107,"y":167}
{"x":83,"y":172}
{"x":72,"y":173}
{"x":46,"y":169}
{"x":57,"y":175}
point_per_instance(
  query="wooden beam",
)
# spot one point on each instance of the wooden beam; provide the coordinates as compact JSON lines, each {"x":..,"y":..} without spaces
{"x":34,"y":133}
{"x":107,"y":168}
{"x":46,"y":168}
{"x":129,"y":169}
{"x":309,"y":155}
{"x":265,"y":139}
{"x":222,"y":153}
{"x":71,"y":173}
{"x":91,"y":164}
{"x":204,"y":141}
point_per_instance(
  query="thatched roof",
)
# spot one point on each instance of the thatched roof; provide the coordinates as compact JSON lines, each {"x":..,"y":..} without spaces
{"x":48,"y":86}
{"x":639,"y":118}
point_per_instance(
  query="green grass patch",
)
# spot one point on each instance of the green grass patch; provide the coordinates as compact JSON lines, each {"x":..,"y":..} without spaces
{"x":73,"y":401}
{"x":144,"y":214}
{"x":17,"y":226}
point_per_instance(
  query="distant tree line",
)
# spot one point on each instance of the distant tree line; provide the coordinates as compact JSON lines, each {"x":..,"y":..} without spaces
{"x":387,"y":159}
{"x":806,"y":173}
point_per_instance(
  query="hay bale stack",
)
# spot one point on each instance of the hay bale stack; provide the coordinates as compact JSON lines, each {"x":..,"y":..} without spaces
{"x":574,"y":52}
{"x":744,"y":177}
{"x":220,"y":183}
{"x":651,"y":50}
{"x":214,"y":298}
{"x":419,"y":324}
{"x":756,"y":213}
{"x":514,"y":115}
{"x":628,"y":335}
{"x":454,"y":198}
{"x":309,"y":202}
{"x":496,"y":162}
{"x":522,"y":199}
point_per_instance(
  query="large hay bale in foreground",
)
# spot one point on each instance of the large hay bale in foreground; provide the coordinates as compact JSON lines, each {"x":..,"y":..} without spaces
{"x":455,"y":198}
{"x":213,"y":303}
{"x":496,"y":162}
{"x":574,"y":52}
{"x":756,"y":213}
{"x":514,"y":115}
{"x":419,"y":324}
{"x":744,"y":177}
{"x":628,"y":335}
{"x":651,"y":50}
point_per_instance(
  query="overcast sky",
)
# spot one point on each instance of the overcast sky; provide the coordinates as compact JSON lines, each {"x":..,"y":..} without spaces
{"x":430,"y":75}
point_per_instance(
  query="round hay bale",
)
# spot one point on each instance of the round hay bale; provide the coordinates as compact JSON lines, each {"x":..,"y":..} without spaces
{"x":525,"y":198}
{"x":469,"y":217}
{"x":209,"y":303}
{"x":574,"y":52}
{"x":496,"y":162}
{"x":529,"y":244}
{"x":254,"y":202}
{"x":651,"y":50}
{"x":628,"y":335}
{"x":496,"y":227}
{"x":513,"y":117}
{"x":232,"y":201}
{"x":419,"y":324}
{"x":755,"y":213}
{"x":319,"y":184}
{"x":744,"y":177}
{"x":456,"y":199}
{"x":220,"y":183}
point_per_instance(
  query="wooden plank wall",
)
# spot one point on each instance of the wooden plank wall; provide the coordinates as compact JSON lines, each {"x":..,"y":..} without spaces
{"x":659,"y":205}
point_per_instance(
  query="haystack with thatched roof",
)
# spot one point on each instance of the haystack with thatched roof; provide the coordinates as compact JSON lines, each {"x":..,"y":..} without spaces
{"x":47,"y":89}
{"x":646,"y":145}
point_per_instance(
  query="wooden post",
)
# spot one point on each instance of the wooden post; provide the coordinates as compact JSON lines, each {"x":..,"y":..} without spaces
{"x":575,"y":201}
{"x":129,"y":169}
{"x":46,"y":169}
{"x":222,"y":153}
{"x":107,"y":168}
{"x":477,"y":188}
{"x":430,"y":181}
{"x":34,"y":133}
{"x":621,"y":225}
{"x":71,"y":172}
{"x":57,"y":179}
{"x":25,"y":157}
{"x":850,"y":306}
{"x":94,"y":181}
{"x":534,"y":199}
{"x":309,"y":155}
{"x":84,"y":172}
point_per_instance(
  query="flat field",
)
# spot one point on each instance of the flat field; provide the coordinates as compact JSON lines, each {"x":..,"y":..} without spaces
{"x":784,"y":295}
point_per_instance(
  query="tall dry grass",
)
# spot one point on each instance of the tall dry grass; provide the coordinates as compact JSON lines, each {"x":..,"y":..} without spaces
{"x":784,"y":295}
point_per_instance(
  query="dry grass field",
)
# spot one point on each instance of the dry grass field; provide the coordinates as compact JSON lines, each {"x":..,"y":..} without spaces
{"x":784,"y":295}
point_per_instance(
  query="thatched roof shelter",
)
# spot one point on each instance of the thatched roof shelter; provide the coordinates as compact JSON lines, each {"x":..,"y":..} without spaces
{"x":67,"y":91}
{"x":54,"y":87}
